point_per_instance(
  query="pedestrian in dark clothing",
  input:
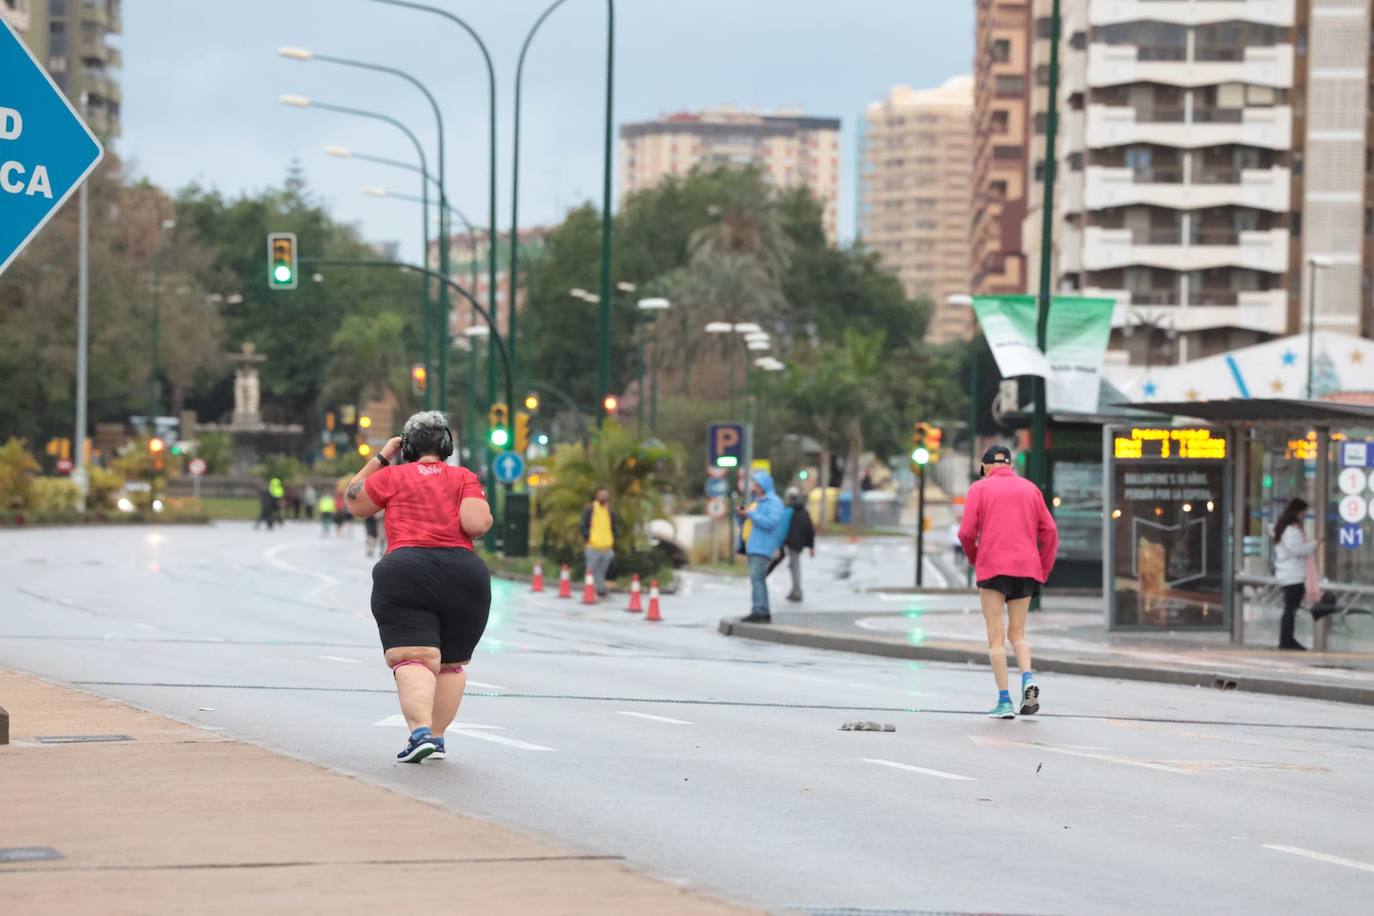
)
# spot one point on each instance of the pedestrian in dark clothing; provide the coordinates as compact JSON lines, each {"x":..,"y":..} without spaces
{"x":267,"y":510}
{"x":801,"y":535}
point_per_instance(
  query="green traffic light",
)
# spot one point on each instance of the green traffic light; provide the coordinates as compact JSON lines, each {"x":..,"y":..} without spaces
{"x":921,"y":455}
{"x":500,"y":437}
{"x":282,"y":273}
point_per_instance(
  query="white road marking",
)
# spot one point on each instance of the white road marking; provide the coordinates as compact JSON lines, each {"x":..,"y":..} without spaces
{"x":645,"y":715}
{"x":1108,"y":758}
{"x":1322,"y":857}
{"x":145,"y":626}
{"x":340,"y":658}
{"x":399,"y":721}
{"x":928,"y":772}
{"x":314,"y":593}
{"x":467,"y":732}
{"x":484,"y":685}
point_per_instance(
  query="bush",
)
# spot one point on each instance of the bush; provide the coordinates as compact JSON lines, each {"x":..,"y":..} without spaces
{"x":102,"y":488}
{"x":216,"y":449}
{"x":17,"y":471}
{"x":55,"y":494}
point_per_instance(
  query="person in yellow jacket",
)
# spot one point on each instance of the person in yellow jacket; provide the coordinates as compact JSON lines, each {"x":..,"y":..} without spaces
{"x":598,"y":532}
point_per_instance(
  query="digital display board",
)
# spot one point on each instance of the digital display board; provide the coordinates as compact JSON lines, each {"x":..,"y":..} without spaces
{"x":1186,"y":443}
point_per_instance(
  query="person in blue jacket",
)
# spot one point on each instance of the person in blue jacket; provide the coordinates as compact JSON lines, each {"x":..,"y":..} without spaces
{"x":764,"y":520}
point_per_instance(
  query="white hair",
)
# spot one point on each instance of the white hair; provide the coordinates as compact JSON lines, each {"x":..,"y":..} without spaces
{"x":425,"y":420}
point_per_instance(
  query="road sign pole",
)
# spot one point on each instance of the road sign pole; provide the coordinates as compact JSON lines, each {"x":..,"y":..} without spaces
{"x":83,"y":313}
{"x":920,"y":523}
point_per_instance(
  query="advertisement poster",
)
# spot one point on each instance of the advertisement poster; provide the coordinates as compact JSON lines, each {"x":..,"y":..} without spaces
{"x":1075,"y":342}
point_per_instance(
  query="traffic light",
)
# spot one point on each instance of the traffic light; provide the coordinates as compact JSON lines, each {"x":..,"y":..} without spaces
{"x":281,"y":260}
{"x":498,"y":418}
{"x":532,"y":402}
{"x":364,"y":422}
{"x":418,"y":377}
{"x":934,"y":437}
{"x":611,"y":404}
{"x":522,"y":431}
{"x":920,"y":444}
{"x":156,"y":447}
{"x":364,"y":449}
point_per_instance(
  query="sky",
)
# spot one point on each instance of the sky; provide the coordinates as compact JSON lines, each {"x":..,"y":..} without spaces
{"x":202,"y":78}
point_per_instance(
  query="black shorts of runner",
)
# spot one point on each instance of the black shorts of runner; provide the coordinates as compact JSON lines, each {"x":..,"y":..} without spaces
{"x":370,"y":525}
{"x":1012,"y":587}
{"x":432,"y":596}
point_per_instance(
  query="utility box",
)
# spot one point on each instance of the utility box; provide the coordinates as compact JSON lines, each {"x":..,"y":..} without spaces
{"x":516,"y":528}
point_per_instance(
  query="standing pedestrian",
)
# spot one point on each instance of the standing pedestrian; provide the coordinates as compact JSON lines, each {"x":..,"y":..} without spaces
{"x":266,"y":510}
{"x":274,"y":486}
{"x":801,"y":535}
{"x":326,"y":509}
{"x":431,"y":593}
{"x":1010,"y":537}
{"x":760,"y":521}
{"x":598,"y":533}
{"x":311,"y":497}
{"x":372,"y":528}
{"x":1293,"y":550}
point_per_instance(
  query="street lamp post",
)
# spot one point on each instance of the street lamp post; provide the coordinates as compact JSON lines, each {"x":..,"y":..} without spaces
{"x":1039,"y":463}
{"x":1313,"y":263}
{"x":155,"y":370}
{"x":650,"y":308}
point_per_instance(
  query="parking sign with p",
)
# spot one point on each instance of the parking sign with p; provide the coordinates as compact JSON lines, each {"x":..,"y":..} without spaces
{"x":725,"y":445}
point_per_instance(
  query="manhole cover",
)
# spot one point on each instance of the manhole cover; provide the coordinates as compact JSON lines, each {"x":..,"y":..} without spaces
{"x":28,"y":853}
{"x":80,"y":739}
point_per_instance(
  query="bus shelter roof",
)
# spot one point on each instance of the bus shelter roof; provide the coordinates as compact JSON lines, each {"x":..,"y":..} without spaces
{"x":1262,"y":411}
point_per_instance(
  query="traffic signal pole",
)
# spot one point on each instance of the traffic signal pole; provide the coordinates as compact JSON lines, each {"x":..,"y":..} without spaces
{"x":920,"y":523}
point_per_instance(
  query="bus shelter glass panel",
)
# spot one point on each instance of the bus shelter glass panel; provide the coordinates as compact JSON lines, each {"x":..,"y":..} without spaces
{"x":1165,"y":557}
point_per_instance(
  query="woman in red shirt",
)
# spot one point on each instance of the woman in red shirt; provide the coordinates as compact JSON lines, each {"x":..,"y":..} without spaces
{"x":430,"y":593}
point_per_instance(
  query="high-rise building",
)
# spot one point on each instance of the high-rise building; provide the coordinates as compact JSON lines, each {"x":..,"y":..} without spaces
{"x":69,"y":38}
{"x":470,"y":268}
{"x":1211,"y":152}
{"x":1001,"y":119}
{"x":915,"y":169}
{"x":791,"y":148}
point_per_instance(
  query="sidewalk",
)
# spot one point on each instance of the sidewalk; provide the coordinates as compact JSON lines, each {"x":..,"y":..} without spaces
{"x":179,"y":819}
{"x":1076,"y":642}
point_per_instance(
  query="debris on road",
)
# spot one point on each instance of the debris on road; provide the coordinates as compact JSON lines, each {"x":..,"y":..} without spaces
{"x":867,"y":727}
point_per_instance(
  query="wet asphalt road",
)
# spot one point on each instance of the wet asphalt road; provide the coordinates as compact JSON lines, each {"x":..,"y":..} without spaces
{"x":719,"y":763}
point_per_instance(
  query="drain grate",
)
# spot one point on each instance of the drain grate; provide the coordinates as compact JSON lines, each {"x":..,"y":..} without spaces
{"x":28,"y":853}
{"x":80,"y":739}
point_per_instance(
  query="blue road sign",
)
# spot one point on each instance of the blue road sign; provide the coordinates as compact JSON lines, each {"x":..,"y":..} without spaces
{"x":725,"y":445}
{"x":509,"y":466}
{"x":717,"y":486}
{"x":1352,"y":536}
{"x":46,"y":150}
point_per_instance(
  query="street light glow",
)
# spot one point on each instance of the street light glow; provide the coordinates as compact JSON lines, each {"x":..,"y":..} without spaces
{"x":655,"y":304}
{"x":758,"y":345}
{"x":719,"y":327}
{"x":748,"y":327}
{"x":625,"y":286}
{"x":578,"y":293}
{"x":338,"y":152}
{"x":477,"y":330}
{"x":295,"y":101}
{"x":296,"y":53}
{"x":372,"y":190}
{"x":959,"y":299}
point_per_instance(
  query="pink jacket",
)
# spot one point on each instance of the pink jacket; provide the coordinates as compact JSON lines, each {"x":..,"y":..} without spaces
{"x":1007,"y":531}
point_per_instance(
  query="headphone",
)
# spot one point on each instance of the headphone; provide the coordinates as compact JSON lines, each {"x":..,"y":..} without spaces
{"x":410,"y":453}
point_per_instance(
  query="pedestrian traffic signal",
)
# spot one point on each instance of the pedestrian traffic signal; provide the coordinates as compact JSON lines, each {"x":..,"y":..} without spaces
{"x":532,"y":402}
{"x":281,"y":260}
{"x":611,"y":404}
{"x":418,"y":377}
{"x":522,"y":431}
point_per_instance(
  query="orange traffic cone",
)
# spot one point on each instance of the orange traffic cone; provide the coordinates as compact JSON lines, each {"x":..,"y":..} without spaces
{"x":564,"y":583}
{"x":636,"y":606}
{"x":653,"y":602}
{"x":589,"y":590}
{"x":537,"y":581}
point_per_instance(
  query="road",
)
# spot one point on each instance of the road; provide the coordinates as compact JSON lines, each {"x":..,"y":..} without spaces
{"x":719,"y":763}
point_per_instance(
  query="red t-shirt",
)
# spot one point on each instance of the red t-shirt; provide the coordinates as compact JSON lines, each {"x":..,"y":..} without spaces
{"x":421,"y":501}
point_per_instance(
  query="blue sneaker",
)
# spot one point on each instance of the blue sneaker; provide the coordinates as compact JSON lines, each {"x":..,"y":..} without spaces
{"x":438,"y":749}
{"x":1030,"y":697}
{"x":421,"y":746}
{"x":1003,"y":710}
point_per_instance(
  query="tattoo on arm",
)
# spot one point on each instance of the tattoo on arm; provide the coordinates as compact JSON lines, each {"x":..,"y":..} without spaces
{"x":354,"y":489}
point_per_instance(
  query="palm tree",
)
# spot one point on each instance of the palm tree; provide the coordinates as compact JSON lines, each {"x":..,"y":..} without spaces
{"x":368,"y":359}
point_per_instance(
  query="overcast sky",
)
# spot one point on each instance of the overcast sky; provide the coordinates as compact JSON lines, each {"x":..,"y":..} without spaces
{"x":201,"y":81}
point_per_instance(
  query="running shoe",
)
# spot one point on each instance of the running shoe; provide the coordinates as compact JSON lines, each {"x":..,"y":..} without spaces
{"x":421,"y":745}
{"x":438,"y":749}
{"x":1003,"y":710}
{"x":1030,"y":697}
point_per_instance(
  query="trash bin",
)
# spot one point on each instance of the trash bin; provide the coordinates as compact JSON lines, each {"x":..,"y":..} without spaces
{"x":516,"y":528}
{"x":844,"y":508}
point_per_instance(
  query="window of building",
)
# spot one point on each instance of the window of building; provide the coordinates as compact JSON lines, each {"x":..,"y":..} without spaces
{"x":57,"y":28}
{"x":1006,"y":152}
{"x":1038,"y":125}
{"x":1001,"y":50}
{"x":1076,"y":162}
{"x":1042,"y":75}
{"x":1010,"y":85}
{"x":1039,"y":170}
{"x":1369,"y":222}
{"x":999,"y":122}
{"x":1297,"y":162}
{"x":1295,"y":224}
{"x":1079,"y":41}
{"x":1044,"y":27}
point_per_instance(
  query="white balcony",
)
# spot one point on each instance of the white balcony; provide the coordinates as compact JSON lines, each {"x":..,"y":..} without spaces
{"x":1197,"y":12}
{"x":1070,"y":245}
{"x":1113,"y":65}
{"x":1269,"y":128}
{"x":1262,"y":189}
{"x":1265,"y":311}
{"x":1108,"y":249}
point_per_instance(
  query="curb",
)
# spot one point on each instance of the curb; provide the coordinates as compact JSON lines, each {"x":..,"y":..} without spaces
{"x":1184,"y":677}
{"x":4,"y":726}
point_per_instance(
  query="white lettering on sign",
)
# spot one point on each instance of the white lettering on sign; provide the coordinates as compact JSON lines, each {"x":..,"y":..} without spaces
{"x":11,"y":124}
{"x":38,"y":182}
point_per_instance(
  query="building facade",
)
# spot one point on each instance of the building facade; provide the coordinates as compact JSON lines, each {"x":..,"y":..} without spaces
{"x":1212,"y":155}
{"x":790,"y":148}
{"x":468,"y":262}
{"x":915,"y":173}
{"x":69,"y":38}
{"x":1001,"y":119}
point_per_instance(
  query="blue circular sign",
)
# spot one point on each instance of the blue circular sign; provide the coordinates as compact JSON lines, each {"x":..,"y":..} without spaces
{"x":717,"y":486}
{"x":509,"y":467}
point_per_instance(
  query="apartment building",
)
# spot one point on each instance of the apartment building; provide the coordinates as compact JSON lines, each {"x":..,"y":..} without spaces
{"x":69,"y":37}
{"x":791,"y":148}
{"x":915,"y":174}
{"x":1210,"y":153}
{"x":1001,"y":119}
{"x":469,"y":265}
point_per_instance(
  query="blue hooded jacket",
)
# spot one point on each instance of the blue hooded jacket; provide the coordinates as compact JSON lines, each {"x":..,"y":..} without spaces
{"x":767,"y":518}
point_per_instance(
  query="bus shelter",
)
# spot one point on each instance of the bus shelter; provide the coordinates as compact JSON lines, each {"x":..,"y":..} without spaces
{"x":1189,"y":509}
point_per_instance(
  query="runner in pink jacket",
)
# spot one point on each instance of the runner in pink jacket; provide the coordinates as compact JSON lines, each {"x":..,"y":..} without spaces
{"x":1009,"y":536}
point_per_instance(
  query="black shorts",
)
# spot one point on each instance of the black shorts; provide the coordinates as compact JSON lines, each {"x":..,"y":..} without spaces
{"x":432,"y":596}
{"x":370,"y":525}
{"x":1012,"y":587}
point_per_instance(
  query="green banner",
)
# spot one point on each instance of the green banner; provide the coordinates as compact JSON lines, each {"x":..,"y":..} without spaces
{"x":1075,"y":343}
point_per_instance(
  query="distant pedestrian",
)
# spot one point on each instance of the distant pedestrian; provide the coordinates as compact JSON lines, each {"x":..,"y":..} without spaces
{"x":431,"y":593}
{"x":326,"y":509}
{"x":955,"y":545}
{"x":310,"y":497}
{"x":598,"y":534}
{"x":274,"y":486}
{"x":760,"y":521}
{"x":267,"y":510}
{"x":800,"y":536}
{"x":372,"y":528}
{"x":1010,"y":537}
{"x":1293,"y":552}
{"x":341,"y":516}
